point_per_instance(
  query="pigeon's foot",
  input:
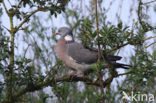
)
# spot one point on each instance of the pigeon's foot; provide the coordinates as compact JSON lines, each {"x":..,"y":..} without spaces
{"x":74,"y":75}
{"x":82,"y":76}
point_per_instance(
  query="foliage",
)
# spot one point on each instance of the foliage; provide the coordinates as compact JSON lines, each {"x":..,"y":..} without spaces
{"x":28,"y":63}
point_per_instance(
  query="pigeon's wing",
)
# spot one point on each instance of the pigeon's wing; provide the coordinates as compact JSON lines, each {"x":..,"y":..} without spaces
{"x":80,"y":54}
{"x":113,"y":58}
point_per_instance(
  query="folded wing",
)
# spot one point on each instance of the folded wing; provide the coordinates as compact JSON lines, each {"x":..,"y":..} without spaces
{"x":80,"y":54}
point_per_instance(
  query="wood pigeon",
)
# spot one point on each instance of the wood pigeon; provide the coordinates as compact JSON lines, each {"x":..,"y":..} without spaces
{"x":78,"y":58}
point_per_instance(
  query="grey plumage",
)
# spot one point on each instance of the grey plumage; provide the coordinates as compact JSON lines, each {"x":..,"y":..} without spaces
{"x":80,"y":54}
{"x":75,"y":56}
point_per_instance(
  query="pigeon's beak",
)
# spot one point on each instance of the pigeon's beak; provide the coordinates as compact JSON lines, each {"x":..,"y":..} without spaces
{"x":56,"y":34}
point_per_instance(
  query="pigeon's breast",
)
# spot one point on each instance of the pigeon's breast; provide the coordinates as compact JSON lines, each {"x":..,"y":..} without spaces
{"x":60,"y":49}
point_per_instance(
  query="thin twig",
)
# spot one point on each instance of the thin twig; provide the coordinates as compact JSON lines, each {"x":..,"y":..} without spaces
{"x":139,"y":14}
{"x":116,"y":48}
{"x":5,"y":7}
{"x":129,"y":42}
{"x":150,"y":38}
{"x":148,"y":2}
{"x":99,"y":52}
{"x":9,"y":2}
{"x":26,"y":19}
{"x":18,"y":5}
{"x":26,"y":50}
{"x":6,"y":28}
{"x":150,"y":44}
{"x":97,"y":30}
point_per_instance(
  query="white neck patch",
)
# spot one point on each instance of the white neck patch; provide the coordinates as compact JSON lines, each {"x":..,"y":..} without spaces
{"x":68,"y":38}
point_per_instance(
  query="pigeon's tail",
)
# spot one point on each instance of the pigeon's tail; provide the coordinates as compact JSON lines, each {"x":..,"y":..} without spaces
{"x":113,"y":58}
{"x":113,"y":62}
{"x":120,"y":65}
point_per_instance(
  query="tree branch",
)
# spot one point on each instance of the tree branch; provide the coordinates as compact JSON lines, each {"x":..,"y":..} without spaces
{"x":18,"y":5}
{"x":151,"y":37}
{"x":53,"y":82}
{"x":97,"y":30}
{"x":146,"y":3}
{"x":6,"y":28}
{"x":26,"y":19}
{"x":99,"y":52}
{"x":139,"y":14}
{"x":150,"y":44}
{"x":11,"y":56}
{"x":143,"y":25}
{"x":9,"y":2}
{"x":5,"y":7}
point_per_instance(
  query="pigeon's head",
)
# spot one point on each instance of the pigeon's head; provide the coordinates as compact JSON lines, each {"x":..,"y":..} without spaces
{"x":65,"y":33}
